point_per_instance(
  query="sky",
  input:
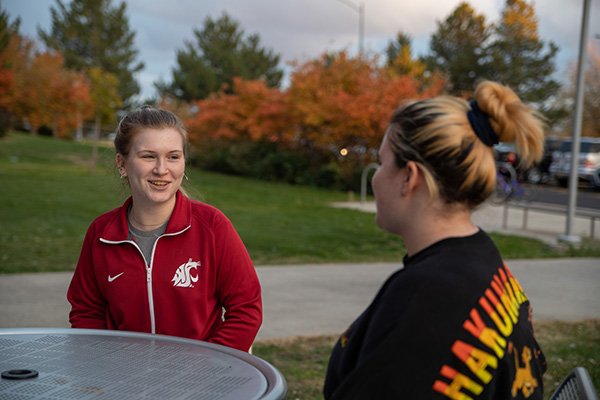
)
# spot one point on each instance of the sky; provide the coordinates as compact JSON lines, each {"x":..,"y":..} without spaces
{"x":301,"y":30}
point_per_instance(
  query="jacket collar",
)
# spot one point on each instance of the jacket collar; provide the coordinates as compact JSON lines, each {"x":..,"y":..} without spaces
{"x":118,"y":230}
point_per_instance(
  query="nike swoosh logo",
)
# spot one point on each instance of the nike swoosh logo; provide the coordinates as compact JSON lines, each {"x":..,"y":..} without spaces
{"x":112,"y":278}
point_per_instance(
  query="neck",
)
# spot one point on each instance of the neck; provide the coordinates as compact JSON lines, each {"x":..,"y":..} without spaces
{"x":150,"y":218}
{"x":436,"y":227}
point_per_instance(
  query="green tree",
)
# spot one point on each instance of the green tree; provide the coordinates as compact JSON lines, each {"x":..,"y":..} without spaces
{"x":519,"y":58}
{"x":8,"y":36}
{"x":93,"y":33}
{"x":7,"y":29}
{"x":220,"y":53}
{"x":400,"y":59}
{"x":459,"y":49}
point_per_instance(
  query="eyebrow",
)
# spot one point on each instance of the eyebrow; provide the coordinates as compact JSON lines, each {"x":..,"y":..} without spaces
{"x":155,"y":152}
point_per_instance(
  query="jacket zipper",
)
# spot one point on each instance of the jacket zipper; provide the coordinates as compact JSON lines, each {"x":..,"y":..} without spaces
{"x":149,"y":267}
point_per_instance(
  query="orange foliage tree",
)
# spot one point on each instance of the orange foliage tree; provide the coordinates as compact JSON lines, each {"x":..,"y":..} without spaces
{"x":344,"y":104}
{"x":42,"y":91}
{"x":332,"y":103}
{"x":252,"y":112}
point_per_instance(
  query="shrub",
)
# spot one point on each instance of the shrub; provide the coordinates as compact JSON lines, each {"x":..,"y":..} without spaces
{"x":267,"y":161}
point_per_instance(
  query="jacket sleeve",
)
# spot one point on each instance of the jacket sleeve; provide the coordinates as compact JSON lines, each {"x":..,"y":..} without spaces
{"x":238,"y":288}
{"x":88,"y":306}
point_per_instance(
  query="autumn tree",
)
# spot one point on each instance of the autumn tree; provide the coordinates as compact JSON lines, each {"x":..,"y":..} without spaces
{"x":94,"y":34}
{"x":344,"y":101}
{"x":220,"y":53}
{"x":459,"y":49}
{"x":333,"y":114}
{"x":519,"y":56}
{"x":341,"y":103}
{"x":69,"y":101}
{"x":252,"y":112}
{"x":590,"y":124}
{"x":43,"y":91}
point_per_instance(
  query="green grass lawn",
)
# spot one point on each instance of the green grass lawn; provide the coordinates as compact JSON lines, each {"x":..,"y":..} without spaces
{"x":49,"y":199}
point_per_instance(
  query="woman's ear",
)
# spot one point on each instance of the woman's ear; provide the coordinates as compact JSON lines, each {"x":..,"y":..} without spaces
{"x":411,"y":177}
{"x":120,"y":163}
{"x":120,"y":160}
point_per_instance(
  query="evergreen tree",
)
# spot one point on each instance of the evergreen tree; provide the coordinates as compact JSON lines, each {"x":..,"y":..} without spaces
{"x":518,"y":55}
{"x":220,"y":53}
{"x":8,"y":30}
{"x":459,"y":49}
{"x":400,"y":60}
{"x":93,"y":33}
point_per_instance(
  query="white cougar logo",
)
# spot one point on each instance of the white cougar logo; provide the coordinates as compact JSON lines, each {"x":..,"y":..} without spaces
{"x":183,"y":276}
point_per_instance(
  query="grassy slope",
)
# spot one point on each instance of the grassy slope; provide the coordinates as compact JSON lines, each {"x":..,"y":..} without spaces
{"x":49,"y":198}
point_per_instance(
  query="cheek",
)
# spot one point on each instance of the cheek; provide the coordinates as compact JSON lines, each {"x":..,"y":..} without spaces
{"x":375,"y":182}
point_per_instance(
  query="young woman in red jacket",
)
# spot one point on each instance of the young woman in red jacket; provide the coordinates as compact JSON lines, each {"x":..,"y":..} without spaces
{"x":163,"y":263}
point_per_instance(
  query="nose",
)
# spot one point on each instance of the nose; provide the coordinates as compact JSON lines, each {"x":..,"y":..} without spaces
{"x":160,"y":167}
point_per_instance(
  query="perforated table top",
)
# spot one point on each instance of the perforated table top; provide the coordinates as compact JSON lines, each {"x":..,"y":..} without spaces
{"x":98,"y":364}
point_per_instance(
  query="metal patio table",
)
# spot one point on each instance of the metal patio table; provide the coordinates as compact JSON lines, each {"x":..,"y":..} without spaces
{"x":48,"y":363}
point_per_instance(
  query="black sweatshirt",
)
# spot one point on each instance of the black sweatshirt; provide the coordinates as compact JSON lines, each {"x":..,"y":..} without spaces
{"x":453,"y":322}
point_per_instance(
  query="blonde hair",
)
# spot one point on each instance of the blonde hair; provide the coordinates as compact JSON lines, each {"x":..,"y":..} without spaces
{"x":458,"y":166}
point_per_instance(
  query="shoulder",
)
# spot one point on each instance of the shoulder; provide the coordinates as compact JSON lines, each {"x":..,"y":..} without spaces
{"x":111,"y":225}
{"x":106,"y":218}
{"x":206,"y":212}
{"x":208,"y":216}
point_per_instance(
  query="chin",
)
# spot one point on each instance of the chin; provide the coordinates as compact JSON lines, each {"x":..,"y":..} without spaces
{"x":381,"y":222}
{"x":162,"y":197}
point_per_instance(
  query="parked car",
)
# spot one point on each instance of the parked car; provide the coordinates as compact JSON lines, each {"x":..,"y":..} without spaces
{"x":537,"y":173}
{"x":589,"y":161}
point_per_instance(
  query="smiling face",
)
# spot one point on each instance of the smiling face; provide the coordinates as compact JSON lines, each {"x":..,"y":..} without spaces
{"x":155,"y":166}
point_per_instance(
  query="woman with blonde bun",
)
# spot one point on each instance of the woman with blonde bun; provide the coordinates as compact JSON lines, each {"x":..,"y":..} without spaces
{"x":453,"y":323}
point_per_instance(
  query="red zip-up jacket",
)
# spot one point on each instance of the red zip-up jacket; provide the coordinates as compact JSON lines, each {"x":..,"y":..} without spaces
{"x":198,"y":267}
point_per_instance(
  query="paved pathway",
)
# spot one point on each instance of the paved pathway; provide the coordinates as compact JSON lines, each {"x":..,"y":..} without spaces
{"x":323,"y":299}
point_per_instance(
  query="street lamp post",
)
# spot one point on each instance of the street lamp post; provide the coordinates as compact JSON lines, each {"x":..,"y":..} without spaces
{"x":569,"y":237}
{"x":360,"y":9}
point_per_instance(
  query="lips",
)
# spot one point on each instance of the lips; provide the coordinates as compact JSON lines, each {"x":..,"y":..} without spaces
{"x":158,"y":183}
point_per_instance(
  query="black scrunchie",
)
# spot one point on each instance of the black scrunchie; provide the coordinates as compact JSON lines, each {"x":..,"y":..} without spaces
{"x":481,"y":125}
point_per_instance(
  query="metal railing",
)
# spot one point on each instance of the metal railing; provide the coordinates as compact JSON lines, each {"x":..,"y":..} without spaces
{"x":555,"y":209}
{"x":363,"y":181}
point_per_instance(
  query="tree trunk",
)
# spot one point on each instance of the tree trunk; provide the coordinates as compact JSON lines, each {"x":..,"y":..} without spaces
{"x":79,"y":129}
{"x":95,"y":146}
{"x":55,"y":126}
